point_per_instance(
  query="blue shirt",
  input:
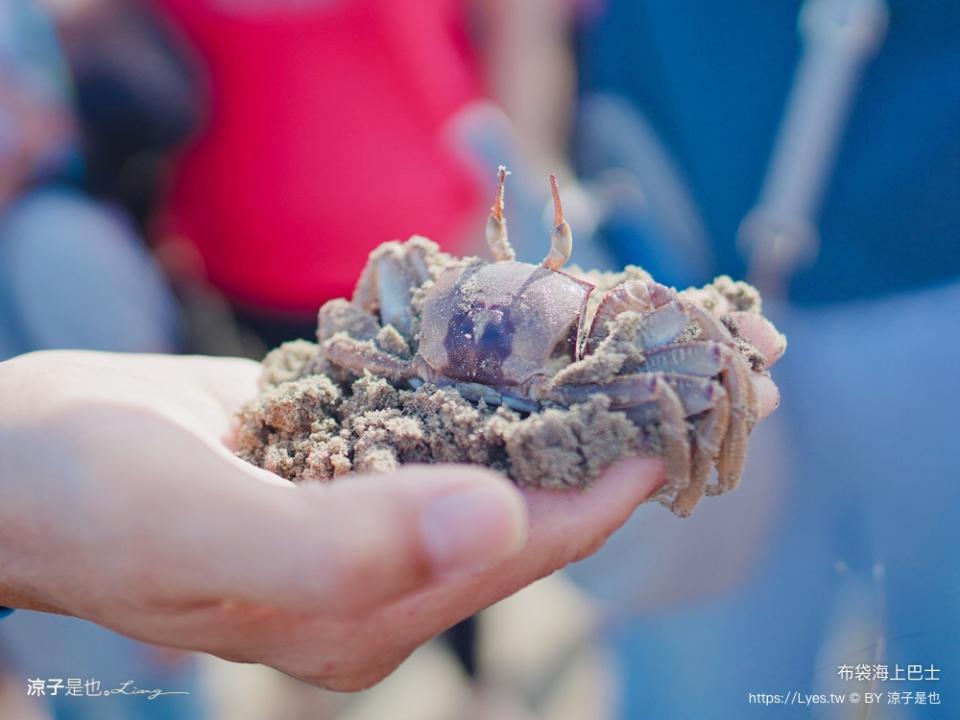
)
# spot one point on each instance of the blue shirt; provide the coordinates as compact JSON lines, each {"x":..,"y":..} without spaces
{"x":713,"y":79}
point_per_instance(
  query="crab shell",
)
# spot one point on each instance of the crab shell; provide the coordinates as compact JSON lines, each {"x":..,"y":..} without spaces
{"x":500,"y":324}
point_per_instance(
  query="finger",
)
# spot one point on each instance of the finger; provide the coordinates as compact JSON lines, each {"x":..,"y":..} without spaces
{"x":573,"y":525}
{"x":232,"y":381}
{"x":213,"y":389}
{"x":349,"y":546}
{"x":766,"y":395}
{"x":204,"y":392}
{"x":218,"y":388}
{"x":761,"y":333}
{"x":565,"y":526}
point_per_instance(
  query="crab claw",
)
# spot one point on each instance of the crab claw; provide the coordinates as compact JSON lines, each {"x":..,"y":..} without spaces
{"x":497,"y":225}
{"x":561,"y":239}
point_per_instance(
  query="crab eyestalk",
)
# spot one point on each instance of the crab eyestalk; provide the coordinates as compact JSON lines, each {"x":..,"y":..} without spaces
{"x":561,"y":239}
{"x":497,"y":223}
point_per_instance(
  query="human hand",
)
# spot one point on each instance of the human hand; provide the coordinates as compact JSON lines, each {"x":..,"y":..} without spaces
{"x":122,"y":503}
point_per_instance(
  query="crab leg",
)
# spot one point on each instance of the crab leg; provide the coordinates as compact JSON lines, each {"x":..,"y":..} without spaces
{"x":735,"y":375}
{"x":664,"y":318}
{"x":359,"y":355}
{"x":395,"y":283}
{"x":710,"y":326}
{"x":340,"y":315}
{"x":387,"y":282}
{"x":714,"y":356}
{"x":475,"y":392}
{"x":695,"y":358}
{"x":739,"y":386}
{"x":657,"y":328}
{"x":631,"y":295}
{"x":644,"y":397}
{"x":561,"y":239}
{"x":696,"y":393}
{"x":708,"y":359}
{"x":496,"y":230}
{"x":636,"y":295}
{"x":709,"y":432}
{"x":706,"y":402}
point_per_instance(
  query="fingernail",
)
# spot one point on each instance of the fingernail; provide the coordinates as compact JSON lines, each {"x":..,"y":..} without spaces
{"x":471,"y":529}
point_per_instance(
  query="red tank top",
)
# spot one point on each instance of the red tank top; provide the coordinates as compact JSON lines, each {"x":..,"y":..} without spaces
{"x":322,"y":140}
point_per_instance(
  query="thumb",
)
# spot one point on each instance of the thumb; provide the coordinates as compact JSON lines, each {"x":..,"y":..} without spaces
{"x":351,"y":545}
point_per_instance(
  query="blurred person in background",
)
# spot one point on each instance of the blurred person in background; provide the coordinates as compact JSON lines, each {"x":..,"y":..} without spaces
{"x":331,"y":126}
{"x":74,"y":272}
{"x":322,"y":138}
{"x":134,"y":97}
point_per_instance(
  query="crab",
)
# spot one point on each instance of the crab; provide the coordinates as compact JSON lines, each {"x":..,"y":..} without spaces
{"x":528,"y":337}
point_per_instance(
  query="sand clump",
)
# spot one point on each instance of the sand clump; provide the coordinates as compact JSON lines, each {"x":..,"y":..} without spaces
{"x":304,"y":425}
{"x":317,"y":420}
